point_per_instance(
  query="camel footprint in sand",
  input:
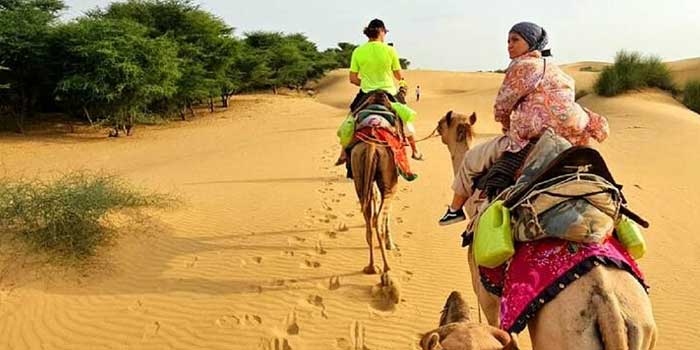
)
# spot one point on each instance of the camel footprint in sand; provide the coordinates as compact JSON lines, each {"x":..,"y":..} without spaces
{"x":232,"y":321}
{"x":292,"y":325}
{"x":311,"y":264}
{"x":334,"y":283}
{"x":357,"y":338}
{"x":276,"y":343}
{"x":319,"y":248}
{"x":317,"y":301}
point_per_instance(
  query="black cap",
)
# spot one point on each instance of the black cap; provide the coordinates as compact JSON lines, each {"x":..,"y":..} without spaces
{"x":377,"y":23}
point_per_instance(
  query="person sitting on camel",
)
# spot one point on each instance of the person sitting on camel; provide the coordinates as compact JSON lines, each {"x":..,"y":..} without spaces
{"x":373,"y":66}
{"x":535,"y":96}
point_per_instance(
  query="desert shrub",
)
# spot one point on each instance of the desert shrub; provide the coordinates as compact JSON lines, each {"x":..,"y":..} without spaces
{"x":632,"y":71}
{"x":65,"y":217}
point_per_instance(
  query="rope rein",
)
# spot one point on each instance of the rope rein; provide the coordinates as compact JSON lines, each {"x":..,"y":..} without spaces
{"x":432,"y":134}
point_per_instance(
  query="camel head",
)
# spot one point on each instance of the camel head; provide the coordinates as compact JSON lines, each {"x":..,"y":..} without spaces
{"x":456,"y":131}
{"x":456,"y":332}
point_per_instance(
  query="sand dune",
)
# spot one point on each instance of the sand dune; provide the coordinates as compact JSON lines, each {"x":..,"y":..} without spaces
{"x":685,"y":70}
{"x":267,"y":249}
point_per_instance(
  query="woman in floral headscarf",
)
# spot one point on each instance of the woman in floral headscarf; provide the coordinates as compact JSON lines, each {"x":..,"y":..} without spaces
{"x":535,"y":96}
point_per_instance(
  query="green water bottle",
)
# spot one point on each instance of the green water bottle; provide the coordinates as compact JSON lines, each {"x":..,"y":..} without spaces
{"x":630,"y":235}
{"x":493,"y":243}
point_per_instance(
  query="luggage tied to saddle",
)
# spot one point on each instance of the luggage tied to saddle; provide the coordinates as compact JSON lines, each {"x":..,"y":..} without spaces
{"x":563,"y":192}
{"x":550,"y":228}
{"x":377,"y":114}
{"x":376,"y":124}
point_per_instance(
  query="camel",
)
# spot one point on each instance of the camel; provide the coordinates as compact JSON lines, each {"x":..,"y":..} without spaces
{"x":457,"y":332}
{"x":374,"y":164}
{"x":606,"y":308}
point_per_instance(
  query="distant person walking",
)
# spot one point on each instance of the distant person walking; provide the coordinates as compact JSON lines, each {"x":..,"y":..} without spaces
{"x":417,"y":93}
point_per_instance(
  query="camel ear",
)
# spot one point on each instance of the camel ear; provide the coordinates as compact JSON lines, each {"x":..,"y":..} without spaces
{"x":448,"y":118}
{"x":472,"y":118}
{"x":513,"y":344}
{"x":431,"y":342}
{"x":509,"y":341}
{"x":461,"y":132}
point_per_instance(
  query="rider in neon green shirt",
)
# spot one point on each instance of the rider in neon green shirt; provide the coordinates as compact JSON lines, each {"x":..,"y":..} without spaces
{"x":380,"y":64}
{"x":373,"y":66}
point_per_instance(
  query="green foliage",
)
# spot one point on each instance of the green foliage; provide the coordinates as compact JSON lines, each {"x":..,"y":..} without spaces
{"x":404,"y":63}
{"x":114,"y":69}
{"x":272,"y":60}
{"x":25,"y":26}
{"x":691,"y":95}
{"x":206,"y":48}
{"x":118,"y":64}
{"x":341,"y":54}
{"x":633,"y":71}
{"x":66,"y":217}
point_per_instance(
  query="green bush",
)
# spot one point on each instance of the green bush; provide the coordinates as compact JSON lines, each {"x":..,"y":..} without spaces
{"x":691,"y":95}
{"x":633,"y":71}
{"x":66,"y":217}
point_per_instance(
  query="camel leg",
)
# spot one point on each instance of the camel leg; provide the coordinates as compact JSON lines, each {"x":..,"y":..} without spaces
{"x":386,"y":226}
{"x":370,"y":269}
{"x":388,"y":182}
{"x":490,"y":304}
{"x":383,"y":250}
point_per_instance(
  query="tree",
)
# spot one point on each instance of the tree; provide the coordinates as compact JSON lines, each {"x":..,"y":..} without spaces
{"x":206,"y":46}
{"x":341,"y":54}
{"x":273,"y":60}
{"x":114,"y":69}
{"x":404,"y":63}
{"x":3,"y":83}
{"x":25,"y":26}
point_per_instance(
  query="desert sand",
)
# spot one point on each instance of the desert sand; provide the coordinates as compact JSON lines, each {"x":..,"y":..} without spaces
{"x":267,"y":247}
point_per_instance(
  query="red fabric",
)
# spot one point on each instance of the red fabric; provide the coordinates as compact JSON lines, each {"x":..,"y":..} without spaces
{"x":537,"y":272}
{"x":386,"y":137}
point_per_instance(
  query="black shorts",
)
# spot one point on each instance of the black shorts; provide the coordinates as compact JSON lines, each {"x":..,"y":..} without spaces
{"x":361,"y":96}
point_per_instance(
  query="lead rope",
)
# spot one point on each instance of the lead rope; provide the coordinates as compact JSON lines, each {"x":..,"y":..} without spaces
{"x":432,"y":134}
{"x":478,"y":280}
{"x":478,"y":307}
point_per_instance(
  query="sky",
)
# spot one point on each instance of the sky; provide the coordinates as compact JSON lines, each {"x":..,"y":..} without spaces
{"x":463,"y":35}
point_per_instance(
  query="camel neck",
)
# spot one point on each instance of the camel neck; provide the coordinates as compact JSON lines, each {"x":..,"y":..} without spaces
{"x":457,"y":153}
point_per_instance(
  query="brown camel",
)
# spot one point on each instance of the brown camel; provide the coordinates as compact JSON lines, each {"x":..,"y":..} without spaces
{"x":606,"y":308}
{"x":374,"y":164}
{"x":456,"y":332}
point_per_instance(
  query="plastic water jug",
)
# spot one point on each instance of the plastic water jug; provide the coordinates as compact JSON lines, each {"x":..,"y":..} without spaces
{"x":630,"y":235}
{"x":493,"y":243}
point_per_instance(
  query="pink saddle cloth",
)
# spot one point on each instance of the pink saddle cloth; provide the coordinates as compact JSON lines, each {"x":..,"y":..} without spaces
{"x":541,"y":269}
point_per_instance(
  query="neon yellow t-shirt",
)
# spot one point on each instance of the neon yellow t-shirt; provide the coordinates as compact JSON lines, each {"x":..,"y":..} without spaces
{"x":375,"y":62}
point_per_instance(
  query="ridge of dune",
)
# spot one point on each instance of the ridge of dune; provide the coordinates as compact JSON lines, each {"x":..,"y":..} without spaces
{"x":685,"y":70}
{"x":267,"y":249}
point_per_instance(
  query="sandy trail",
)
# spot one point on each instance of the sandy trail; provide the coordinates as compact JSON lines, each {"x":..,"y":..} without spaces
{"x":268,"y":246}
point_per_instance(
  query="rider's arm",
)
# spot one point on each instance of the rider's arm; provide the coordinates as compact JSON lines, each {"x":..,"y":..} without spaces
{"x":396,"y":65}
{"x":521,"y":79}
{"x":355,"y":78}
